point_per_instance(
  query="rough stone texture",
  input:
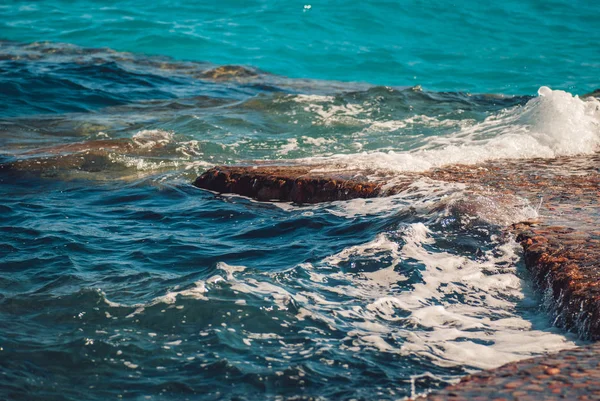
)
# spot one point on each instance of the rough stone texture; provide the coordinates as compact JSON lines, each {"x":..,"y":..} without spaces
{"x":566,"y":188}
{"x":568,"y":375}
{"x":289,"y":184}
{"x":566,"y":264}
{"x":562,"y":250}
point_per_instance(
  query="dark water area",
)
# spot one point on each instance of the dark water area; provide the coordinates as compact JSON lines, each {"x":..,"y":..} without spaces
{"x":119,"y":279}
{"x":145,"y":289}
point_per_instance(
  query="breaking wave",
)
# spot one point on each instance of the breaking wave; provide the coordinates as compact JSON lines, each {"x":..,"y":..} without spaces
{"x":553,"y":124}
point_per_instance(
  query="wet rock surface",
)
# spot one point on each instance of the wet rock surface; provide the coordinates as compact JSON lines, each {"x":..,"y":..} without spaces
{"x":562,"y":249}
{"x":595,"y":93}
{"x":562,"y":252}
{"x":565,"y":263}
{"x":228,"y":72}
{"x":296,"y":184}
{"x":569,"y":375}
{"x":66,"y":160}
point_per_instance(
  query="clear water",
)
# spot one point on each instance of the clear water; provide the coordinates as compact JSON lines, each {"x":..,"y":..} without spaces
{"x":120,"y":279}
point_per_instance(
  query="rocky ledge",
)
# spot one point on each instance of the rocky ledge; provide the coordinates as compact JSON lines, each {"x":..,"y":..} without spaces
{"x":298,"y":184}
{"x":565,"y":263}
{"x":561,"y":250}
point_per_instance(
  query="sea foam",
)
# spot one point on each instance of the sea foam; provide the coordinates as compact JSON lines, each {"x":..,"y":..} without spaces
{"x":555,"y":123}
{"x":481,"y":331}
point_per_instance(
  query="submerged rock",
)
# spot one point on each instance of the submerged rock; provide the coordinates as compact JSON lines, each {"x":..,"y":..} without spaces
{"x":595,"y":93}
{"x":96,"y":156}
{"x":228,"y":72}
{"x":92,"y":161}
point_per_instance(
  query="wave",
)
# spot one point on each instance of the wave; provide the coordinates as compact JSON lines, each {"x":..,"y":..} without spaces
{"x":174,"y":115}
{"x":481,"y":330}
{"x":457,"y":307}
{"x":555,"y":123}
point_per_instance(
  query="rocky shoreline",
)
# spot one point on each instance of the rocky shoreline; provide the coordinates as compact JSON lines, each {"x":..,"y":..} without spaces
{"x":561,"y":250}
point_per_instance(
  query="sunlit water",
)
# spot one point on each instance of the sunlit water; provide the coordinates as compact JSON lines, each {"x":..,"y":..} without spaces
{"x":120,"y":279}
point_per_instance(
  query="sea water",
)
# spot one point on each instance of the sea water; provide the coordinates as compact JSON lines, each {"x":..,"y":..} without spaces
{"x":510,"y":47}
{"x":119,"y":279}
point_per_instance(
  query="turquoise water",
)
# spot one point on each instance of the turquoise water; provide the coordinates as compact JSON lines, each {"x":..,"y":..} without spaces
{"x":119,"y":279}
{"x":510,"y":47}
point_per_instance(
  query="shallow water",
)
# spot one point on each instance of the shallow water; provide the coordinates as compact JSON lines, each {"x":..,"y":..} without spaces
{"x":120,"y":279}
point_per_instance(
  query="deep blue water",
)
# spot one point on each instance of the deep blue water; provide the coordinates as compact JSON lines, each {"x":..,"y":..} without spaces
{"x":119,"y":279}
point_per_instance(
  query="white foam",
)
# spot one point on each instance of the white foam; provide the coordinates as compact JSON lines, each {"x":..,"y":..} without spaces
{"x":462,"y":311}
{"x":418,"y":120}
{"x":230,"y":269}
{"x":189,"y":148}
{"x":196,"y":291}
{"x":291,"y":145}
{"x":425,"y":196}
{"x":386,"y":126}
{"x":318,"y":141}
{"x":555,"y":123}
{"x":451,"y":332}
{"x":151,"y":138}
{"x":480,"y":330}
{"x":422,"y":196}
{"x":310,"y":99}
{"x":141,"y":164}
{"x":494,"y":208}
{"x":381,"y":244}
{"x":130,"y":365}
{"x":327,"y":112}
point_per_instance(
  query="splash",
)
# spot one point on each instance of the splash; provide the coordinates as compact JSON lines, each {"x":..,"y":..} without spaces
{"x":553,"y":124}
{"x":154,"y":138}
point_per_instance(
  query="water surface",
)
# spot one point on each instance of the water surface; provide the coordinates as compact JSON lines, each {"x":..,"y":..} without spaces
{"x":118,"y":278}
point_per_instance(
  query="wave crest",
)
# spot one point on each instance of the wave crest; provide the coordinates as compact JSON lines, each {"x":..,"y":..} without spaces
{"x":556,"y":123}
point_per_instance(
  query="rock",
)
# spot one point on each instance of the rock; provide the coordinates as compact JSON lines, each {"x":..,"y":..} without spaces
{"x":291,"y":184}
{"x":533,"y":379}
{"x":228,"y":72}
